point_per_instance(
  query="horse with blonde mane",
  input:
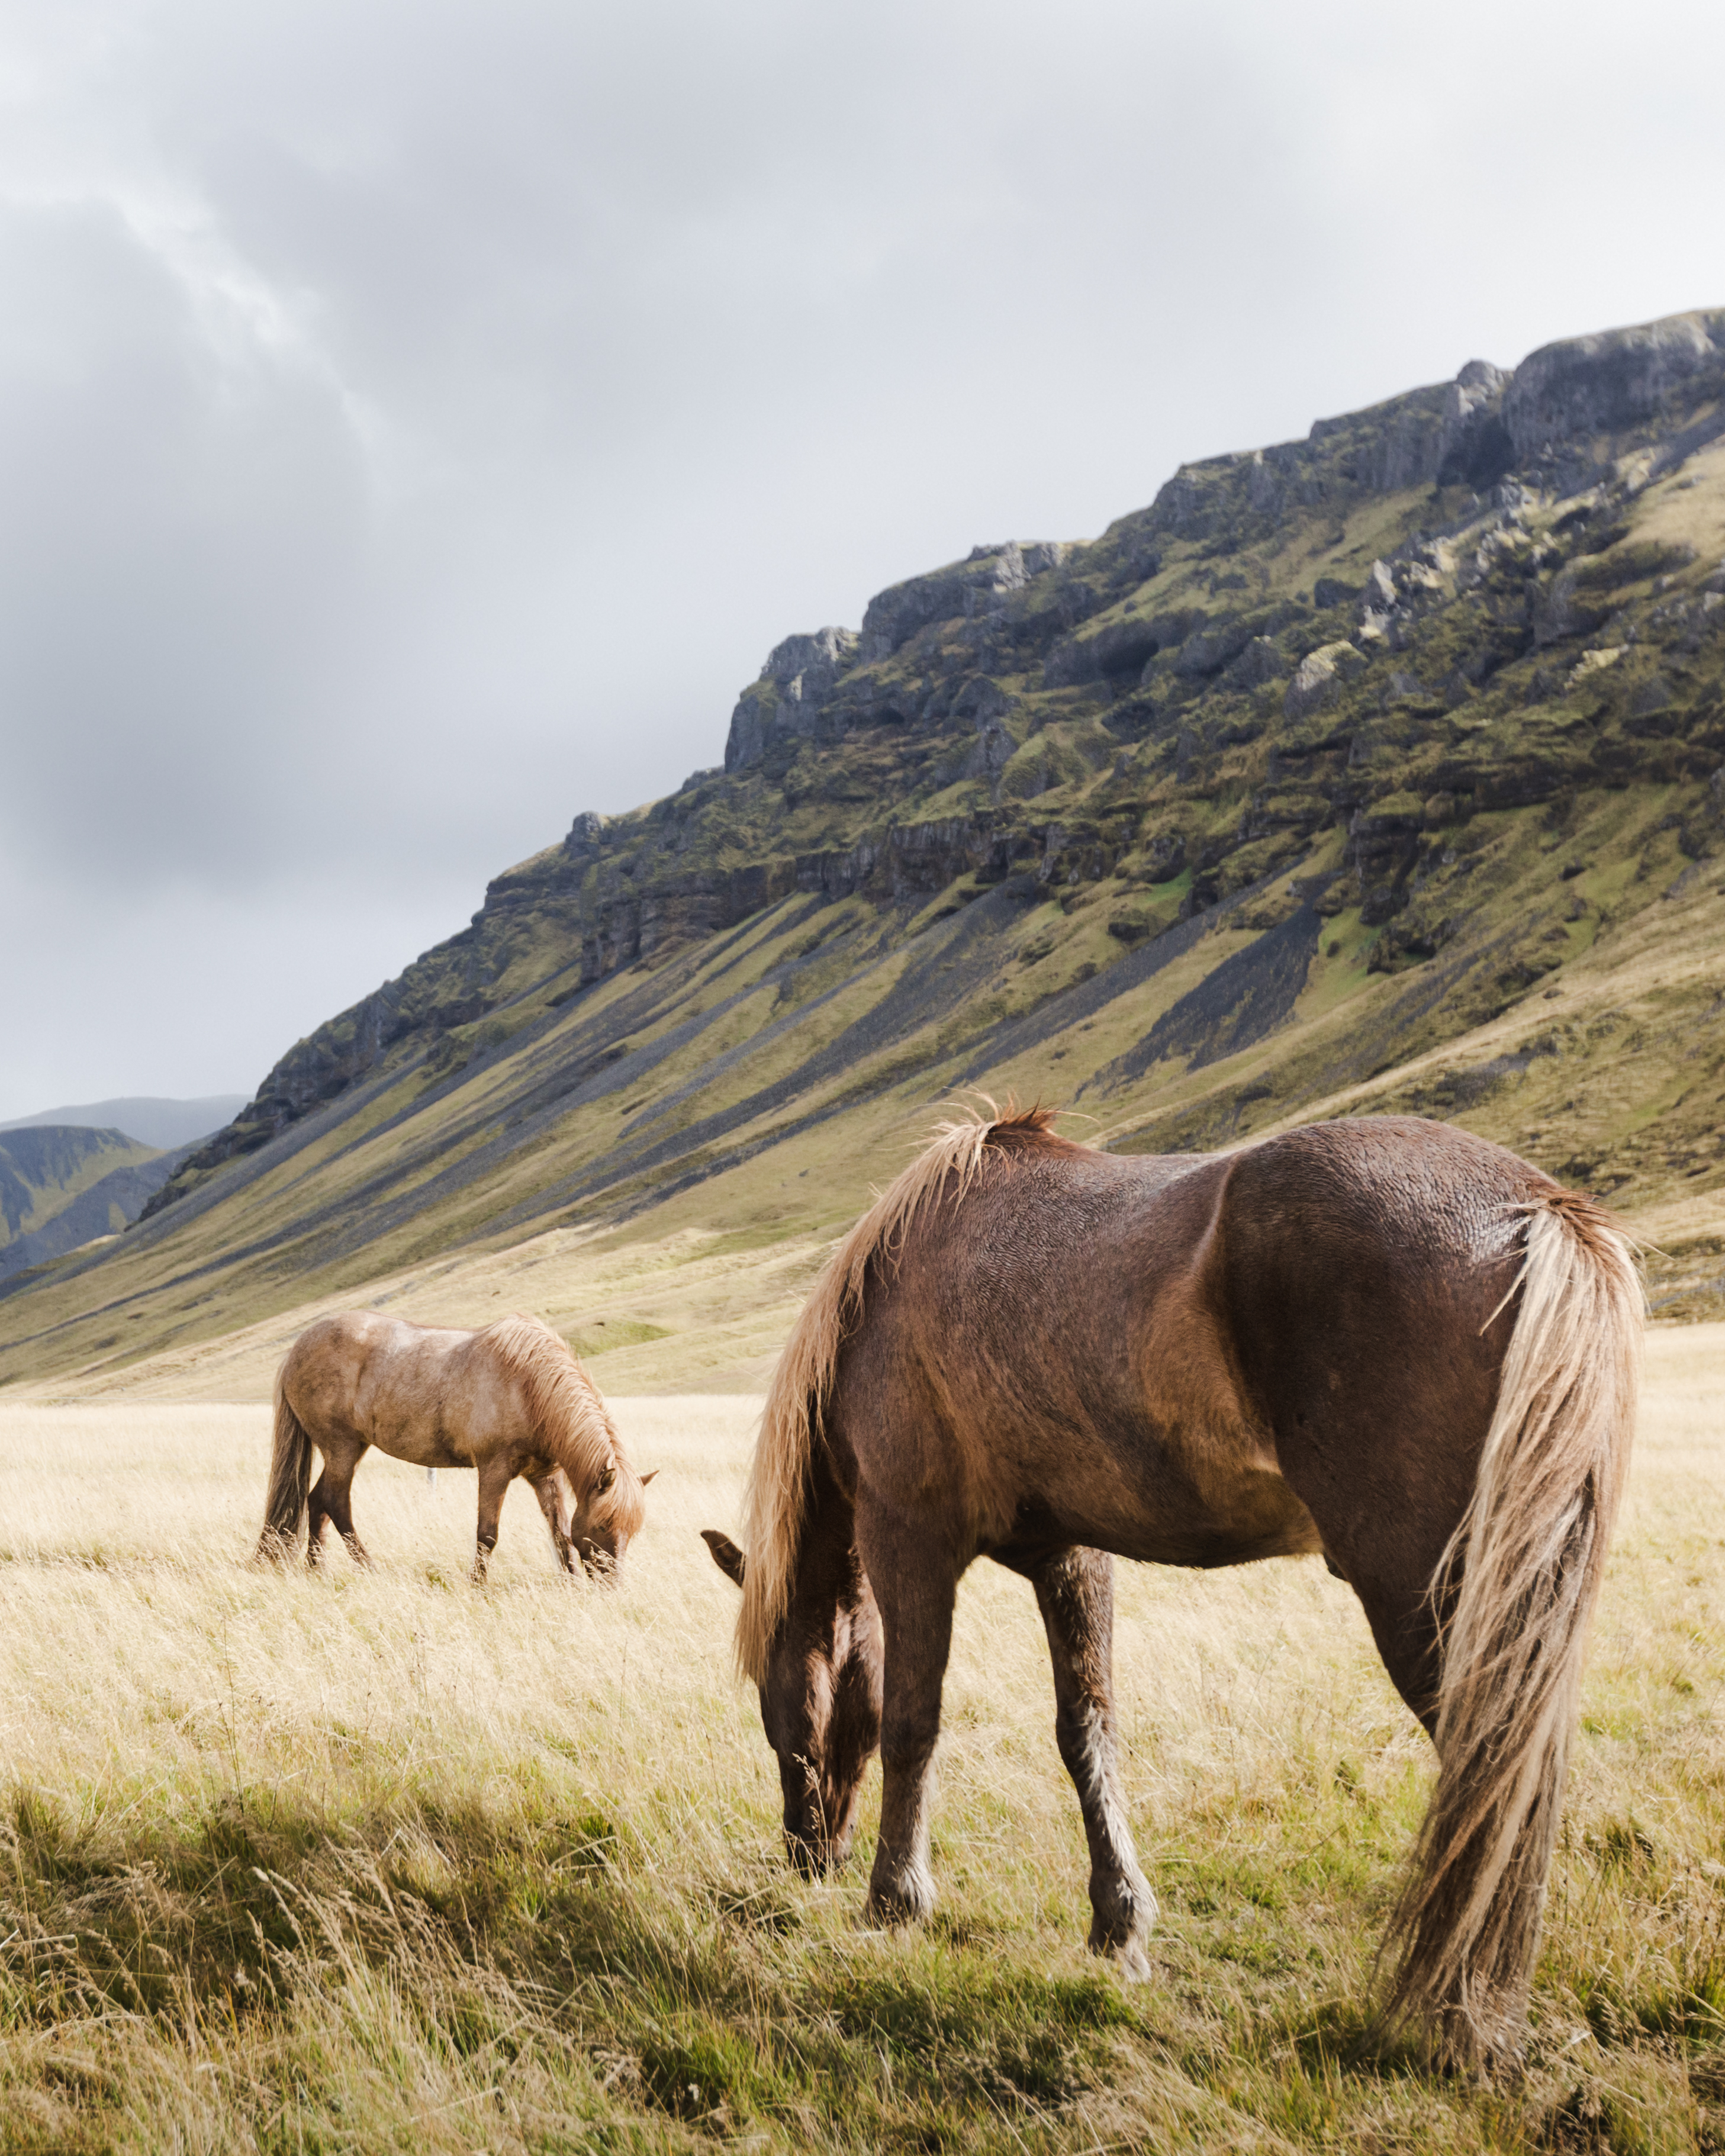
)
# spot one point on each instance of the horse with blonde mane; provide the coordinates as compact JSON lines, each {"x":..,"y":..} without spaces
{"x":1383,"y":1342}
{"x":510,"y":1400}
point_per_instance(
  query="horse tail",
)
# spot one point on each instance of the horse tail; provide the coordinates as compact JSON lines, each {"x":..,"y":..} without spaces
{"x":776,"y":1505}
{"x":289,"y":1480}
{"x":1530,"y":1552}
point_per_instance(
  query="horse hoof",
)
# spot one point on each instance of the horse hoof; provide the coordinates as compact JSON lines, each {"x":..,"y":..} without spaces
{"x":1123,"y":1915}
{"x":909,"y":1901}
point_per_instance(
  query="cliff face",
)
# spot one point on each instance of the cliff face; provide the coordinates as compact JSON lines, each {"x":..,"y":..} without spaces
{"x":1425,"y":703}
{"x":1343,"y":603}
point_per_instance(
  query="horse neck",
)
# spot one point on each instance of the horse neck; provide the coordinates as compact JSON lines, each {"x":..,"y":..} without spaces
{"x":579,"y":1437}
{"x":830,"y":1632}
{"x":828,"y":1583}
{"x":556,"y":1401}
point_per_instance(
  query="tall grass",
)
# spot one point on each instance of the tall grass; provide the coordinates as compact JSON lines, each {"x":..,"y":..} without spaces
{"x":376,"y":1860}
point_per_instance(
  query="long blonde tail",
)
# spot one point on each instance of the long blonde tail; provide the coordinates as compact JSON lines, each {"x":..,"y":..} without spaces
{"x":1530,"y":1551}
{"x":289,"y":1481}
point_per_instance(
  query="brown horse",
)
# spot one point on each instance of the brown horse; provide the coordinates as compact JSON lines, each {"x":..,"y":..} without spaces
{"x":510,"y":1400}
{"x":1383,"y":1341}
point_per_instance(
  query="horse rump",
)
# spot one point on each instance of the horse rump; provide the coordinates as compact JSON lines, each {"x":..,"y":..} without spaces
{"x":290,"y":1484}
{"x":1515,"y":1591}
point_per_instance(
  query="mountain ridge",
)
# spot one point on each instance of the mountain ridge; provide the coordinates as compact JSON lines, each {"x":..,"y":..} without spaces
{"x":1471,"y":431}
{"x":147,"y":1119}
{"x":1334,"y":753}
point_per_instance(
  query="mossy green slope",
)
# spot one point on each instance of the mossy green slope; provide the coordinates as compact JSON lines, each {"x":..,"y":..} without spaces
{"x":1378,"y":771}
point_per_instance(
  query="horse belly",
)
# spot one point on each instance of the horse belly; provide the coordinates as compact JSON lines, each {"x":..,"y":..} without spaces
{"x":1262,"y":1518}
{"x":1172,"y":1482}
{"x":422,"y":1443}
{"x":1206,"y":1455}
{"x":1128,"y":1490}
{"x":1155,"y":1455}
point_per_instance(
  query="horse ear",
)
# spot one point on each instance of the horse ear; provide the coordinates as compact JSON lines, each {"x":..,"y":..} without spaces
{"x":727,"y":1555}
{"x":647,"y":1476}
{"x":606,"y":1479}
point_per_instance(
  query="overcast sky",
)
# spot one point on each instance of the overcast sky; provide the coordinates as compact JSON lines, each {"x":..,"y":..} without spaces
{"x":419,"y":418}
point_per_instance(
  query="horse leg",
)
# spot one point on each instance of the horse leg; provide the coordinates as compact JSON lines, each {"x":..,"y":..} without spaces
{"x":337,"y":1501}
{"x":495,"y":1477}
{"x":545,"y":1490}
{"x":1074,"y":1591}
{"x":1408,"y":1632}
{"x":317,"y":1511}
{"x":914,"y":1583}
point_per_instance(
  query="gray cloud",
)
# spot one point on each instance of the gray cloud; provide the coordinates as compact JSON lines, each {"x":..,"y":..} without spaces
{"x":416,"y":420}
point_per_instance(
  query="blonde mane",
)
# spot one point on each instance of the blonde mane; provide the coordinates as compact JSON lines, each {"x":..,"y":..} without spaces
{"x":567,"y":1416}
{"x":774,"y":1507}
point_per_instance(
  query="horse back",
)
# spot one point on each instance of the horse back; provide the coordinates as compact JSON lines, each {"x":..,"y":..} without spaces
{"x":362,"y":1378}
{"x":1193,"y":1359}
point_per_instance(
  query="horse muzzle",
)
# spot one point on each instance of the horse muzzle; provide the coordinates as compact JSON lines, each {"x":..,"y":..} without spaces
{"x":598,"y":1563}
{"x":812,"y":1856}
{"x":817,"y":1832}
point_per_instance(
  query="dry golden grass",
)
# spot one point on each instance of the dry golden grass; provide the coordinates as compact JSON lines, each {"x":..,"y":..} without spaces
{"x":373,"y":1860}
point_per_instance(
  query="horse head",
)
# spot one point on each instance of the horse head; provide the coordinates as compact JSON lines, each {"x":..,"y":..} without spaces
{"x":605,"y":1518}
{"x":821,"y":1702}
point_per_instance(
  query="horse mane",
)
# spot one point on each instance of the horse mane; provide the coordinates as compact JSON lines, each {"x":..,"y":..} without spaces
{"x":567,"y":1414}
{"x":777,"y":1499}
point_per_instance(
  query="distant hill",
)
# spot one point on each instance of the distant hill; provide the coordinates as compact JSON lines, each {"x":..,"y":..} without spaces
{"x":60,"y":1186}
{"x":1382,"y":769}
{"x":150,"y":1121}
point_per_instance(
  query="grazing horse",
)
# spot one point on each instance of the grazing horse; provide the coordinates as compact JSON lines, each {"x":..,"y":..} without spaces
{"x":1384,"y":1341}
{"x":510,"y":1400}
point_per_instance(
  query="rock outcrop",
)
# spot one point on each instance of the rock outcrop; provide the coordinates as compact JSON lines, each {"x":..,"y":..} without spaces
{"x":1567,"y":392}
{"x":1318,"y":676}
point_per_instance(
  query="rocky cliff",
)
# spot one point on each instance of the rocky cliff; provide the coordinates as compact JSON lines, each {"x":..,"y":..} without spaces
{"x":1335,"y":751}
{"x":1368,"y":632}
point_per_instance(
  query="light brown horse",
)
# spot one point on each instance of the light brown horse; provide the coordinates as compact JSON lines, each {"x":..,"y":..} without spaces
{"x":512,"y":1400}
{"x":1384,"y":1341}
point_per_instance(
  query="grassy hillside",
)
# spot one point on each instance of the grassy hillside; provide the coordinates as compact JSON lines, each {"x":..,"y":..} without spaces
{"x":1380,"y":770}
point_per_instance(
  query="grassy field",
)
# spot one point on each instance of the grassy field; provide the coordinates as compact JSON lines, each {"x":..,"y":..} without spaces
{"x":376,"y":1861}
